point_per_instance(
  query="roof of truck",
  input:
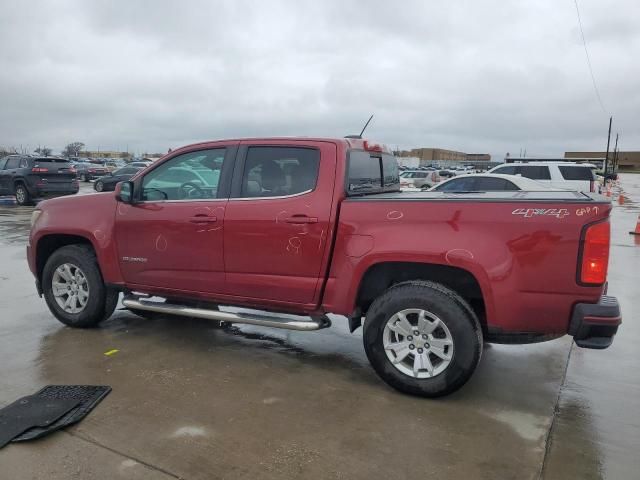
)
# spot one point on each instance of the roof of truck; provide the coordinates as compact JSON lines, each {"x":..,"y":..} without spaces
{"x":358,"y":143}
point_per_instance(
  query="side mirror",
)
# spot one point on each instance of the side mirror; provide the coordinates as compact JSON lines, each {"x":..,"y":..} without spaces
{"x":124,"y":192}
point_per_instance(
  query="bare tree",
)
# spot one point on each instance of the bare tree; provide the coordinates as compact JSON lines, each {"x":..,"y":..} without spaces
{"x":7,"y":151}
{"x":44,"y":151}
{"x":73,"y":149}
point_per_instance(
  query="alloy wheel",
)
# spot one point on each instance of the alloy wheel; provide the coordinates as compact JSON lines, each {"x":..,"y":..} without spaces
{"x":70,"y":288}
{"x":418,"y":343}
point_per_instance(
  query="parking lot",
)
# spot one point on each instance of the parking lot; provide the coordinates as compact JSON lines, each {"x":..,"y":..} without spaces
{"x":195,"y":401}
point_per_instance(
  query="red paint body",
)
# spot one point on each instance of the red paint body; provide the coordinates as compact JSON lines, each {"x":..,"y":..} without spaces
{"x":252,"y":252}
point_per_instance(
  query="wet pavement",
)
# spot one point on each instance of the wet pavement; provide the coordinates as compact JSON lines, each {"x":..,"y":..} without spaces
{"x":194,"y":401}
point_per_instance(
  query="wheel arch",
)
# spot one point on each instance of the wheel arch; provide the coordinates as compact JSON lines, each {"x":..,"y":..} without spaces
{"x":50,"y":243}
{"x":381,"y":276}
{"x":17,"y":181}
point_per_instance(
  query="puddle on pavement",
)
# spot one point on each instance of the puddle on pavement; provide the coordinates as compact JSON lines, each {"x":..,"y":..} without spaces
{"x":14,"y":224}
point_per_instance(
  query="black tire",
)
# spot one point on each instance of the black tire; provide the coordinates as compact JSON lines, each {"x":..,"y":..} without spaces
{"x":102,"y":301}
{"x":22,"y":195}
{"x":98,"y":186}
{"x":449,"y":307}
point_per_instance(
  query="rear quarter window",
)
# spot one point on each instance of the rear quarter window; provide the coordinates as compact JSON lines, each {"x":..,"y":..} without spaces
{"x":576,"y":173}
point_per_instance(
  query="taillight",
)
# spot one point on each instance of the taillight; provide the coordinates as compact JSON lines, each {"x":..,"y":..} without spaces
{"x":372,"y":147}
{"x":72,"y":170}
{"x":595,"y":253}
{"x":91,"y":170}
{"x":592,"y":186}
{"x":39,"y":170}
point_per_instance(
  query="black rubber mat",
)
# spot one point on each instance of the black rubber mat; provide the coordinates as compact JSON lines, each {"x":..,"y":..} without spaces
{"x":86,"y":398}
{"x":29,"y":412}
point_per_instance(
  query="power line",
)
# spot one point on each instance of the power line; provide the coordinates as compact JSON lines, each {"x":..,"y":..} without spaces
{"x":586,"y":51}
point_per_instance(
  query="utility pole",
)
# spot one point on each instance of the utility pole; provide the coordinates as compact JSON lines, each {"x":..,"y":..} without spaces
{"x":614,"y":165}
{"x":606,"y":157}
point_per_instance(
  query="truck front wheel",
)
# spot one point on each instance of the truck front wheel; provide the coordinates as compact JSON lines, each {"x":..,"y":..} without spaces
{"x":422,"y":338}
{"x":74,"y":289}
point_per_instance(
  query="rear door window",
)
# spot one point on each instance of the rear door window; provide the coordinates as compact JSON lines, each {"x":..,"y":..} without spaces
{"x":510,"y":170}
{"x":466,"y":184}
{"x":3,"y":162}
{"x":576,"y":173}
{"x":491,"y":184}
{"x":535,"y":172}
{"x":279,"y":171}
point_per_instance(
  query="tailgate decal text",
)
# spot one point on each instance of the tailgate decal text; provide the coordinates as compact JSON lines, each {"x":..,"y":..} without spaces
{"x":532,"y":212}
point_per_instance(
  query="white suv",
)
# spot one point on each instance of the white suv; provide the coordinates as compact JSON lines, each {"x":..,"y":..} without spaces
{"x":563,"y":175}
{"x":419,"y":179}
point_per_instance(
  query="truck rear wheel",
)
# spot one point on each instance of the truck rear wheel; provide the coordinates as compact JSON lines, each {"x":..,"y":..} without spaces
{"x":422,"y":338}
{"x":74,"y":289}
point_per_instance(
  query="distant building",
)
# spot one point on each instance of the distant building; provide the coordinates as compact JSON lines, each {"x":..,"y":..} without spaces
{"x":104,"y":154}
{"x":441,"y":156}
{"x":627,"y":161}
{"x":478,"y":157}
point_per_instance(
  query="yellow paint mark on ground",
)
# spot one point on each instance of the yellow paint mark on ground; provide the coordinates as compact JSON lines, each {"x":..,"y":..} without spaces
{"x":111,"y":352}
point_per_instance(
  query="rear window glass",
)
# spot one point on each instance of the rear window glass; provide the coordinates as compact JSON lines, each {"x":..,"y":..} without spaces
{"x":50,"y":160}
{"x":372,"y":173}
{"x":535,"y":172}
{"x":576,"y":173}
{"x":390,"y":172}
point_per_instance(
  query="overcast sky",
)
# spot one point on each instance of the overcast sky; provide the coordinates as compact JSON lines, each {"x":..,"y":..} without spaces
{"x":476,"y":76}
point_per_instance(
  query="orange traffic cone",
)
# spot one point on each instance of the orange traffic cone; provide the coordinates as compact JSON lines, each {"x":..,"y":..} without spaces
{"x":637,"y":230}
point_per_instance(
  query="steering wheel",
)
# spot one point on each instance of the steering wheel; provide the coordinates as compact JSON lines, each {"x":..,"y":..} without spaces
{"x":190,"y":190}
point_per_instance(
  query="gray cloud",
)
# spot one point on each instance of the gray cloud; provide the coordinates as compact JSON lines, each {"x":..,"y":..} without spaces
{"x":478,"y":76}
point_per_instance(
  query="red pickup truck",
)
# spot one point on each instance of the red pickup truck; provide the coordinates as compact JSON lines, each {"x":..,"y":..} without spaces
{"x":311,"y":226}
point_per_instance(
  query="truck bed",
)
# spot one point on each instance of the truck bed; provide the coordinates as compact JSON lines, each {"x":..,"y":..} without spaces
{"x":522,"y":248}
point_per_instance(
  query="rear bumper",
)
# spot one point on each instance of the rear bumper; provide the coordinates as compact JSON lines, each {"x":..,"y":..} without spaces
{"x":593,"y":325}
{"x":54,"y":190}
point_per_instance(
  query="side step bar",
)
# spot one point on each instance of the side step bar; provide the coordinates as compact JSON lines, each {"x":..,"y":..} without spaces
{"x":314,"y":323}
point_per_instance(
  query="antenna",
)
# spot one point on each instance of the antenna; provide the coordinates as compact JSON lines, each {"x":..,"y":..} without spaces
{"x":363,"y":129}
{"x":366,"y":125}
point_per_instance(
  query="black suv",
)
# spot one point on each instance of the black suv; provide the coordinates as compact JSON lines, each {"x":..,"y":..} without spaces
{"x":29,"y":177}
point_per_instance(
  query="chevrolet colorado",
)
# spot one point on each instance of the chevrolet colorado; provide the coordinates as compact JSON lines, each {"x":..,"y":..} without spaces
{"x":311,"y":226}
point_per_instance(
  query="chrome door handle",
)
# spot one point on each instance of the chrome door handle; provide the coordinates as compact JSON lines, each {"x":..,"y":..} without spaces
{"x":300,"y":219}
{"x":203,"y":219}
